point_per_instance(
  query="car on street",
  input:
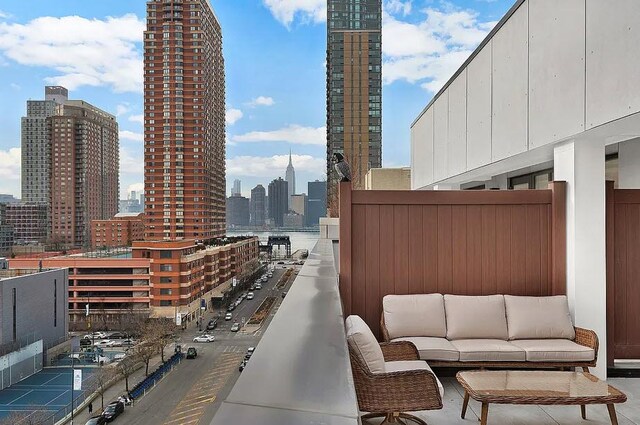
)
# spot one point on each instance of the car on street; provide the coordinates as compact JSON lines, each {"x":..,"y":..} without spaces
{"x":101,"y":360}
{"x":258,"y":287}
{"x":270,"y":275}
{"x":265,"y":279}
{"x":250,"y":296}
{"x":96,"y":420}
{"x":192,"y":353}
{"x":104,"y":343}
{"x":284,"y":294}
{"x":280,"y":262}
{"x":213,"y":323}
{"x":231,"y":307}
{"x":117,"y":335}
{"x":235,"y":327}
{"x":95,"y":335}
{"x":238,"y":302}
{"x":243,"y":364}
{"x":250,"y":351}
{"x":119,"y":356}
{"x":228,"y":316}
{"x":113,"y":410}
{"x":243,"y":295}
{"x":204,"y":338}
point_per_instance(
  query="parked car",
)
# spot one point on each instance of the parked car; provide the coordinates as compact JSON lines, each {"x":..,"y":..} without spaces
{"x":270,"y":275}
{"x":96,"y":420}
{"x":242,"y":365}
{"x":95,"y":335}
{"x":284,"y":294}
{"x":119,"y":356}
{"x":231,"y":307}
{"x":235,"y":327}
{"x":228,"y":316}
{"x":101,"y":359}
{"x":238,"y":302}
{"x":213,"y":323}
{"x":243,"y":295}
{"x":250,"y":296}
{"x":258,"y":287}
{"x":280,"y":262}
{"x":117,"y":335}
{"x":104,"y":343}
{"x":250,"y":351}
{"x":113,"y":410}
{"x":192,"y":353}
{"x":204,"y":338}
{"x":265,"y":279}
{"x":128,"y":342}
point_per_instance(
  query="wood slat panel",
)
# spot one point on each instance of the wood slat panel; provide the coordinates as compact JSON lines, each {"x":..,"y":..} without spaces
{"x":451,"y":197}
{"x":430,"y":248}
{"x":387,"y":263}
{"x":489,"y":252}
{"x":359,"y":257}
{"x":503,"y":249}
{"x":416,"y":256}
{"x":401,"y":248}
{"x":633,"y":277}
{"x":475,"y":275}
{"x":518,"y":250}
{"x":533,"y":279}
{"x":459,"y":249}
{"x":445,"y":247}
{"x":372,"y":236}
{"x":620,"y":334}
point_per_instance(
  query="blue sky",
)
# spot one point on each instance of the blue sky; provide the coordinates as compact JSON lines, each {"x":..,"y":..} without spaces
{"x":275,"y":74}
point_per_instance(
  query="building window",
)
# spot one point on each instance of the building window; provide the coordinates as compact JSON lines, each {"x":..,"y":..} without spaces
{"x":166,"y":267}
{"x":165,"y":254}
{"x":165,"y":280}
{"x":165,"y":303}
{"x":536,"y":180}
{"x":165,"y":291}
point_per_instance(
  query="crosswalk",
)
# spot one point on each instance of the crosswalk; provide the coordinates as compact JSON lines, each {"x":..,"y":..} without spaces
{"x":204,"y":392}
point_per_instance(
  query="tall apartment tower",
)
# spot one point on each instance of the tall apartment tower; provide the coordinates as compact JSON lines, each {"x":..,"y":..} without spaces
{"x":278,"y":201}
{"x":85,"y":164}
{"x":36,"y":145}
{"x":70,"y":162}
{"x":290,"y":177}
{"x":257,"y":206}
{"x":184,"y":135}
{"x":354,"y":89}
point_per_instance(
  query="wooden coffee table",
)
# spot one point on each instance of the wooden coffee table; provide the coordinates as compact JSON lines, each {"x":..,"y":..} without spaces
{"x":538,"y":387}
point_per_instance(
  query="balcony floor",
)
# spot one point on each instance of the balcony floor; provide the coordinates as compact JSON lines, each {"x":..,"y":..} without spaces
{"x":628,"y":413}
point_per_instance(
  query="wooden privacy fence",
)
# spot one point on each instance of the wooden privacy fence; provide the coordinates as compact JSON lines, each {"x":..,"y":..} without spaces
{"x":453,"y":242}
{"x":623,"y":273}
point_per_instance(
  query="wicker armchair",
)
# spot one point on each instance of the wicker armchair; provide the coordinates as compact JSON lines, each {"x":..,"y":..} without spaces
{"x":391,"y":395}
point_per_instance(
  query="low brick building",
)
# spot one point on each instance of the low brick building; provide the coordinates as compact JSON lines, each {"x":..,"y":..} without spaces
{"x":121,"y":230}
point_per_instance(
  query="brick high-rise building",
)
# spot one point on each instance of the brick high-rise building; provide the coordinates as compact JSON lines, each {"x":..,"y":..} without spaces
{"x":70,"y":162}
{"x":184,"y":134}
{"x":29,"y":221}
{"x":85,"y":163}
{"x":354,"y":89}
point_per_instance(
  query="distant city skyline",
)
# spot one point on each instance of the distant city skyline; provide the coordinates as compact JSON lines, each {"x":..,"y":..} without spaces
{"x":265,"y":116}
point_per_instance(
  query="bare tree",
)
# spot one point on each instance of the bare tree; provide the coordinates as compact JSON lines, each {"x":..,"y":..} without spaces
{"x":159,"y":333}
{"x":35,"y":417}
{"x":101,"y":379}
{"x":145,"y":352}
{"x":126,"y":367}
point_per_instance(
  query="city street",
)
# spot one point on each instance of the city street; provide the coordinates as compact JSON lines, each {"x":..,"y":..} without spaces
{"x":192,"y":393}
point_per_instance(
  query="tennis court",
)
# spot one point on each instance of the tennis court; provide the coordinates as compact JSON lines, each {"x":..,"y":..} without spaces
{"x":47,"y":390}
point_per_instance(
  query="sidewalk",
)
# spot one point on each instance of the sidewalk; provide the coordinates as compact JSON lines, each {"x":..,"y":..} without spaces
{"x":115,"y":391}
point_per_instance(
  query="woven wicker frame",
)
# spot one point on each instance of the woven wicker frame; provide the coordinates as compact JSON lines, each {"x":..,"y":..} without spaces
{"x":392,"y":392}
{"x":584,"y":337}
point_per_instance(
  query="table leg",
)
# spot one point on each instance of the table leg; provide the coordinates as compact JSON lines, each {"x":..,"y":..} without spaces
{"x":465,"y":404}
{"x":583,"y":411}
{"x":612,"y":414}
{"x":485,"y":412}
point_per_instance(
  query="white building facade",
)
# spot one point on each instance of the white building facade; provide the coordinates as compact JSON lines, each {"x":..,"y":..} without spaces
{"x":552,"y":93}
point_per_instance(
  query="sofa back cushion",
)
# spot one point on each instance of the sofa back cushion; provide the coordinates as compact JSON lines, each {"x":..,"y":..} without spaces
{"x":361,"y":339}
{"x":539,"y":317}
{"x":475,"y":317}
{"x":414,"y":315}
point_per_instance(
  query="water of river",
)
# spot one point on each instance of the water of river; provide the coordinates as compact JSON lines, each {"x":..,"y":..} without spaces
{"x":299,"y":240}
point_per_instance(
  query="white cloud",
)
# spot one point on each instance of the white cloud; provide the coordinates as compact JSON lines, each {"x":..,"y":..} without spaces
{"x":83,"y":51}
{"x":261,"y":101}
{"x":138,"y":187}
{"x":131,"y":164}
{"x":131,"y":135}
{"x":10,"y":171}
{"x":15,"y":86}
{"x":286,"y":11}
{"x":122,"y":109}
{"x":271,"y":166}
{"x":399,"y":6}
{"x":232,"y":116}
{"x":4,"y":15}
{"x":292,"y":134}
{"x":440,"y":43}
{"x":137,"y":118}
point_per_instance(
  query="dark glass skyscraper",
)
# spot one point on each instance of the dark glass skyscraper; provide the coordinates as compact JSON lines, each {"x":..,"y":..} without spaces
{"x":354,"y":89}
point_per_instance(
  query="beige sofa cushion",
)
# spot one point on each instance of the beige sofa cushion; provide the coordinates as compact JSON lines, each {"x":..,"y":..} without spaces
{"x":433,"y":348}
{"x":414,"y":315}
{"x":539,"y":317}
{"x":554,"y":350}
{"x":401,"y":366}
{"x":361,"y":339}
{"x":470,"y":317}
{"x":488,"y":350}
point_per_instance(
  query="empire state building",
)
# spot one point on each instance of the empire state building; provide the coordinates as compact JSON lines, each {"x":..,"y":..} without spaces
{"x":290,"y":177}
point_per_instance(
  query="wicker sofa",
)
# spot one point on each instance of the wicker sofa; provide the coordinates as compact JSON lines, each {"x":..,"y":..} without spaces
{"x":489,"y":331}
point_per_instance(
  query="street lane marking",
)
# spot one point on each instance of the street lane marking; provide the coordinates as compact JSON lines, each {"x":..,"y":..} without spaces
{"x":204,"y":392}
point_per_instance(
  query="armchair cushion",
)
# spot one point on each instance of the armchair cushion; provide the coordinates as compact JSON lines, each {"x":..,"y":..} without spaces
{"x":414,"y":315}
{"x":554,"y":350}
{"x":361,"y":339}
{"x":475,"y":317}
{"x":539,"y":317}
{"x":433,"y":348}
{"x":406,"y":365}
